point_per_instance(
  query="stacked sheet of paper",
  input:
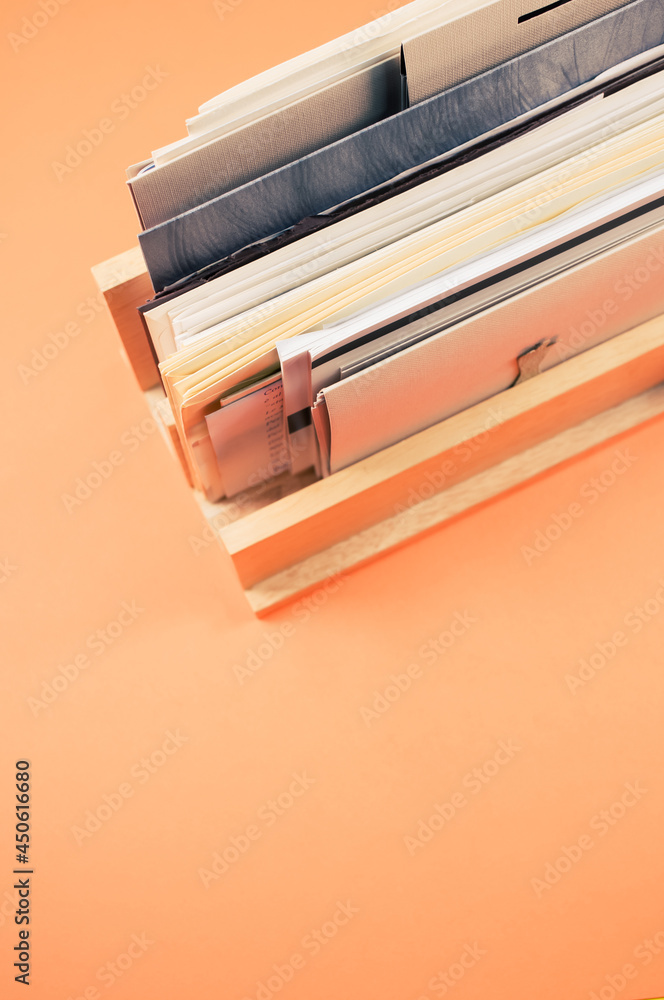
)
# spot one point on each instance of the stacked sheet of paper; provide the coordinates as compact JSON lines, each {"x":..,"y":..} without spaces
{"x":363,"y":241}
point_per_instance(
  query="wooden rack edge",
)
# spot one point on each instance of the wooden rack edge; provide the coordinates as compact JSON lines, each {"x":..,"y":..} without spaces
{"x":334,"y":563}
{"x":296,"y":542}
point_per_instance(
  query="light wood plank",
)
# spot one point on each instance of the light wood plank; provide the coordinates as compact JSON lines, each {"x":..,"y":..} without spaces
{"x":429,"y":514}
{"x":125,"y":284}
{"x":311,"y":520}
{"x":163,"y":416}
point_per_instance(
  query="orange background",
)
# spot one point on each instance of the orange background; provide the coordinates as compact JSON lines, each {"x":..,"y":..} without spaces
{"x":172,"y":667}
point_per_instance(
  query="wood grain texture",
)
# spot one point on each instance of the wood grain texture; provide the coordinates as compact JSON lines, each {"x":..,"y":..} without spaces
{"x":163,"y":417}
{"x":125,"y":284}
{"x":355,"y":164}
{"x":313,"y":519}
{"x":323,"y":569}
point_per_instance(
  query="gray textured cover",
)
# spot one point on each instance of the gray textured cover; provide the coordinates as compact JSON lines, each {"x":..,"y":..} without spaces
{"x":368,"y":158}
{"x":447,"y":55}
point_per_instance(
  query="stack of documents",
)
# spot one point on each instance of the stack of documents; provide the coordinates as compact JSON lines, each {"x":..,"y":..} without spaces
{"x":363,"y":241}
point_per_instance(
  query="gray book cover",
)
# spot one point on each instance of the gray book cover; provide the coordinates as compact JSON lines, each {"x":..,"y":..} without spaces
{"x":357,"y":163}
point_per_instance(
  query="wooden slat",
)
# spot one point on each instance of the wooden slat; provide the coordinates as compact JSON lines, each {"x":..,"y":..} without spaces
{"x":163,"y":415}
{"x":427,"y":515}
{"x":125,"y":284}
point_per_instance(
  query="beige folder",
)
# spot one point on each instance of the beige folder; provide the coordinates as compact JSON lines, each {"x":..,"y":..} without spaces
{"x":450,"y":53}
{"x":477,"y":358}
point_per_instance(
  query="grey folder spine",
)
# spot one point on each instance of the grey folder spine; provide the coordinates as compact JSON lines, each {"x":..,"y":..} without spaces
{"x":353,"y":165}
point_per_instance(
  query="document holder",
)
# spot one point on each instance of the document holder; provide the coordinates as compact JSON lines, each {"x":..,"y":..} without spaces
{"x":291,"y":534}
